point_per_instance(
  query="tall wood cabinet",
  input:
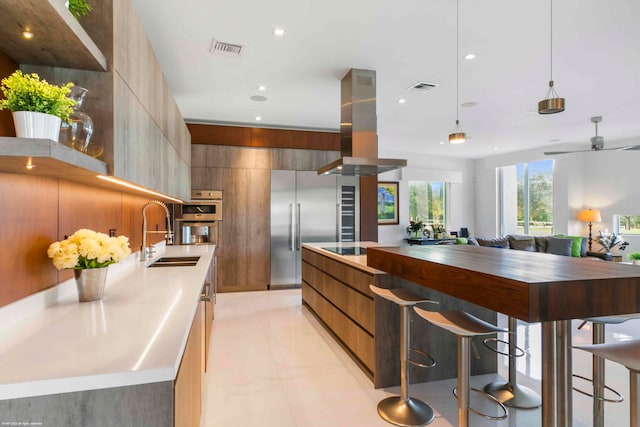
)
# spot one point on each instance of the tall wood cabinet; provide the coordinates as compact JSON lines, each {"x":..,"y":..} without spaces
{"x":244,"y":176}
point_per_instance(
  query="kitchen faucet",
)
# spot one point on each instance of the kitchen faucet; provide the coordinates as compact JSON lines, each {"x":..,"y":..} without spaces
{"x":144,"y":252}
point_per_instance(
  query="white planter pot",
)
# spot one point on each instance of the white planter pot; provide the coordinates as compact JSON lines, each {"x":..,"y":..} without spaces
{"x":30,"y":124}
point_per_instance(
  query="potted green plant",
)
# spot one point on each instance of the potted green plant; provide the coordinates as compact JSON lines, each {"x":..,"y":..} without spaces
{"x":38,"y":107}
{"x":79,"y":8}
{"x":634,"y":257}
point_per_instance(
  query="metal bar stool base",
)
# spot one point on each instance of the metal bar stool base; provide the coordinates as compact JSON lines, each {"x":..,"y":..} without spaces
{"x":410,"y":412}
{"x":514,"y":395}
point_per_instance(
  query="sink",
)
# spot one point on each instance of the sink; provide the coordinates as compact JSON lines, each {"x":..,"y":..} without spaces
{"x":177,"y":261}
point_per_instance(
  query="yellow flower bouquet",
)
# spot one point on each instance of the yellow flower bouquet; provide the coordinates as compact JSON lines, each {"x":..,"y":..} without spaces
{"x":88,"y":249}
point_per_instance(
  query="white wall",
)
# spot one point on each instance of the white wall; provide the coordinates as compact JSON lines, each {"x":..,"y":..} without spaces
{"x":604,"y":180}
{"x":460,"y":197}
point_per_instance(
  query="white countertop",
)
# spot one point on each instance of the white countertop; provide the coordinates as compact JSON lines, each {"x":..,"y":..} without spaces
{"x":135,"y":335}
{"x":357,"y":261}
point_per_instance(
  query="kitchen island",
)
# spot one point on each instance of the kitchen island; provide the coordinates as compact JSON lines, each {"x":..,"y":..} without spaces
{"x":335,"y":287}
{"x":531,"y":286}
{"x":109,"y":362}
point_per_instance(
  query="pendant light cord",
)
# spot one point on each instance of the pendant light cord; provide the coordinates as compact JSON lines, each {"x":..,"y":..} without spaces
{"x":457,"y":60}
{"x":551,"y":44}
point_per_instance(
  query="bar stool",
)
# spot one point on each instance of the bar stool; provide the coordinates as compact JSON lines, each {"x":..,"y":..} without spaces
{"x":599,"y":386}
{"x":626,"y":353}
{"x":511,"y":393}
{"x":404,"y":410}
{"x":464,"y":326}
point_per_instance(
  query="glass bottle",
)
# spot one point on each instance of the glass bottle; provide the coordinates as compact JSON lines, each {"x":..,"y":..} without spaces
{"x":77,"y":131}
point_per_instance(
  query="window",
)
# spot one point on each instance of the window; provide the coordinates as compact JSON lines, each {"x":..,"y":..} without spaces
{"x":628,"y":224}
{"x":527,"y":198}
{"x":427,"y":200}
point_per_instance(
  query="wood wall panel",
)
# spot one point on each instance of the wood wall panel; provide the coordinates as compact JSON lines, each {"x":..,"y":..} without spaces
{"x":40,"y":210}
{"x":369,"y":208}
{"x":7,"y":67}
{"x":244,"y":232}
{"x":219,"y":135}
{"x":29,"y":218}
{"x":263,"y":137}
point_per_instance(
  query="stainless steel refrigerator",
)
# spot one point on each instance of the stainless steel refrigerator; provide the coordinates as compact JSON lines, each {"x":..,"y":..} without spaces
{"x":307,"y":207}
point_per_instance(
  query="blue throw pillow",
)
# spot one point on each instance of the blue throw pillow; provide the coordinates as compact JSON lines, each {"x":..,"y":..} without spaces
{"x":559,"y":246}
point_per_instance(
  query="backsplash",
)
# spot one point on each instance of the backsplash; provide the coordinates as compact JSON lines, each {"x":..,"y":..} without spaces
{"x":40,"y":210}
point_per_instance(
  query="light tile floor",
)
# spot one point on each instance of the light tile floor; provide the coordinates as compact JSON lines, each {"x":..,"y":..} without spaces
{"x":273,"y":365}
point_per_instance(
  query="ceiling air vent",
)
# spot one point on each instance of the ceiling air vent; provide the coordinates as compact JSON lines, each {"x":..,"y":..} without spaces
{"x":421,"y":87}
{"x":227,"y":49}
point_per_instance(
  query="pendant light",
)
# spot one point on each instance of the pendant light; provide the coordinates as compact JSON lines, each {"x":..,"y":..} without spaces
{"x":457,"y":136}
{"x":552,"y":103}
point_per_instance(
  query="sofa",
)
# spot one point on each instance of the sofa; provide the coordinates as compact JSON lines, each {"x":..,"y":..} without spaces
{"x":575,"y":246}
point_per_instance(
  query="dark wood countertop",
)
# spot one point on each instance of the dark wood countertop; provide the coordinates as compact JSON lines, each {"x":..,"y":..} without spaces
{"x":530,"y":286}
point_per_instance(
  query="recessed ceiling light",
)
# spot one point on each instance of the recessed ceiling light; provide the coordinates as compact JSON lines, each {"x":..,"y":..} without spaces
{"x":262,"y":88}
{"x":258,"y":98}
{"x":278,"y":32}
{"x":401,"y":101}
{"x":27,"y":34}
{"x":258,"y":118}
{"x":441,"y":142}
{"x":470,"y":104}
{"x":496,"y":148}
{"x":469,"y":56}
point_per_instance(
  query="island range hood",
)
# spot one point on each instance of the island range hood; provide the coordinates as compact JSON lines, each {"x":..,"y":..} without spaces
{"x":358,"y":129}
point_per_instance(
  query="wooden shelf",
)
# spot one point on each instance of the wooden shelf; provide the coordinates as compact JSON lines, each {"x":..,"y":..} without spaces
{"x":59,"y":40}
{"x":49,"y":158}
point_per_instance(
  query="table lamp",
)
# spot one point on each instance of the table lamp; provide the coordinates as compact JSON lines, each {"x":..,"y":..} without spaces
{"x":590,"y":216}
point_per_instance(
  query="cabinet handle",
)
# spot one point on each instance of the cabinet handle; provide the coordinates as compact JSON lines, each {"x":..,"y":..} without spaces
{"x":298,"y":236}
{"x":338,"y":223}
{"x":292,"y":230}
{"x":206,"y":292}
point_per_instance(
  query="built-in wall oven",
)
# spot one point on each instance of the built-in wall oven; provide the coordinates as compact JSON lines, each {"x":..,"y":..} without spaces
{"x":197,"y":221}
{"x":197,"y":224}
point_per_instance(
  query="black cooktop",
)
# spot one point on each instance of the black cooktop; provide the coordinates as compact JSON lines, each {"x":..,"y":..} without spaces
{"x":355,"y":250}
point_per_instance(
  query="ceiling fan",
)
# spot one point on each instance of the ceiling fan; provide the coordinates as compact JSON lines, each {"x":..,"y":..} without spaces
{"x":597,"y":143}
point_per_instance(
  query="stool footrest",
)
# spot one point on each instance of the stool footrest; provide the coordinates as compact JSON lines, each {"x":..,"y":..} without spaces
{"x":606,"y":387}
{"x":431,"y":364}
{"x":488,"y":396}
{"x":518,"y":352}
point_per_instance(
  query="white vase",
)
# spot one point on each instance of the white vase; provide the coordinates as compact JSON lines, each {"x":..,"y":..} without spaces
{"x":636,"y":262}
{"x":30,"y":124}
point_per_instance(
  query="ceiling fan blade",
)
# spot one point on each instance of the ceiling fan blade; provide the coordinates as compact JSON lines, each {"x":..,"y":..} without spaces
{"x":554,"y":153}
{"x":628,"y":147}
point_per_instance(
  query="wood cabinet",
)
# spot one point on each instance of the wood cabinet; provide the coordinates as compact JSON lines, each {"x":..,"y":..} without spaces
{"x":136,"y":119}
{"x":188,"y":383}
{"x":244,"y":175}
{"x":209,"y":307}
{"x":339,"y":295}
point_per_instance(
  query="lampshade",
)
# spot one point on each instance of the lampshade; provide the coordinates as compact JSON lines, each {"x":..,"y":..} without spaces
{"x":589,"y":215}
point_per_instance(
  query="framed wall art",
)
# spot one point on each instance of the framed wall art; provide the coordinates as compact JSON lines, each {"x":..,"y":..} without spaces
{"x":387,"y":203}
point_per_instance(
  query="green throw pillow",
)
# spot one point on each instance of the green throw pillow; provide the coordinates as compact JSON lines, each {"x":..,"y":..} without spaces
{"x":575,"y":246}
{"x":461,"y":241}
